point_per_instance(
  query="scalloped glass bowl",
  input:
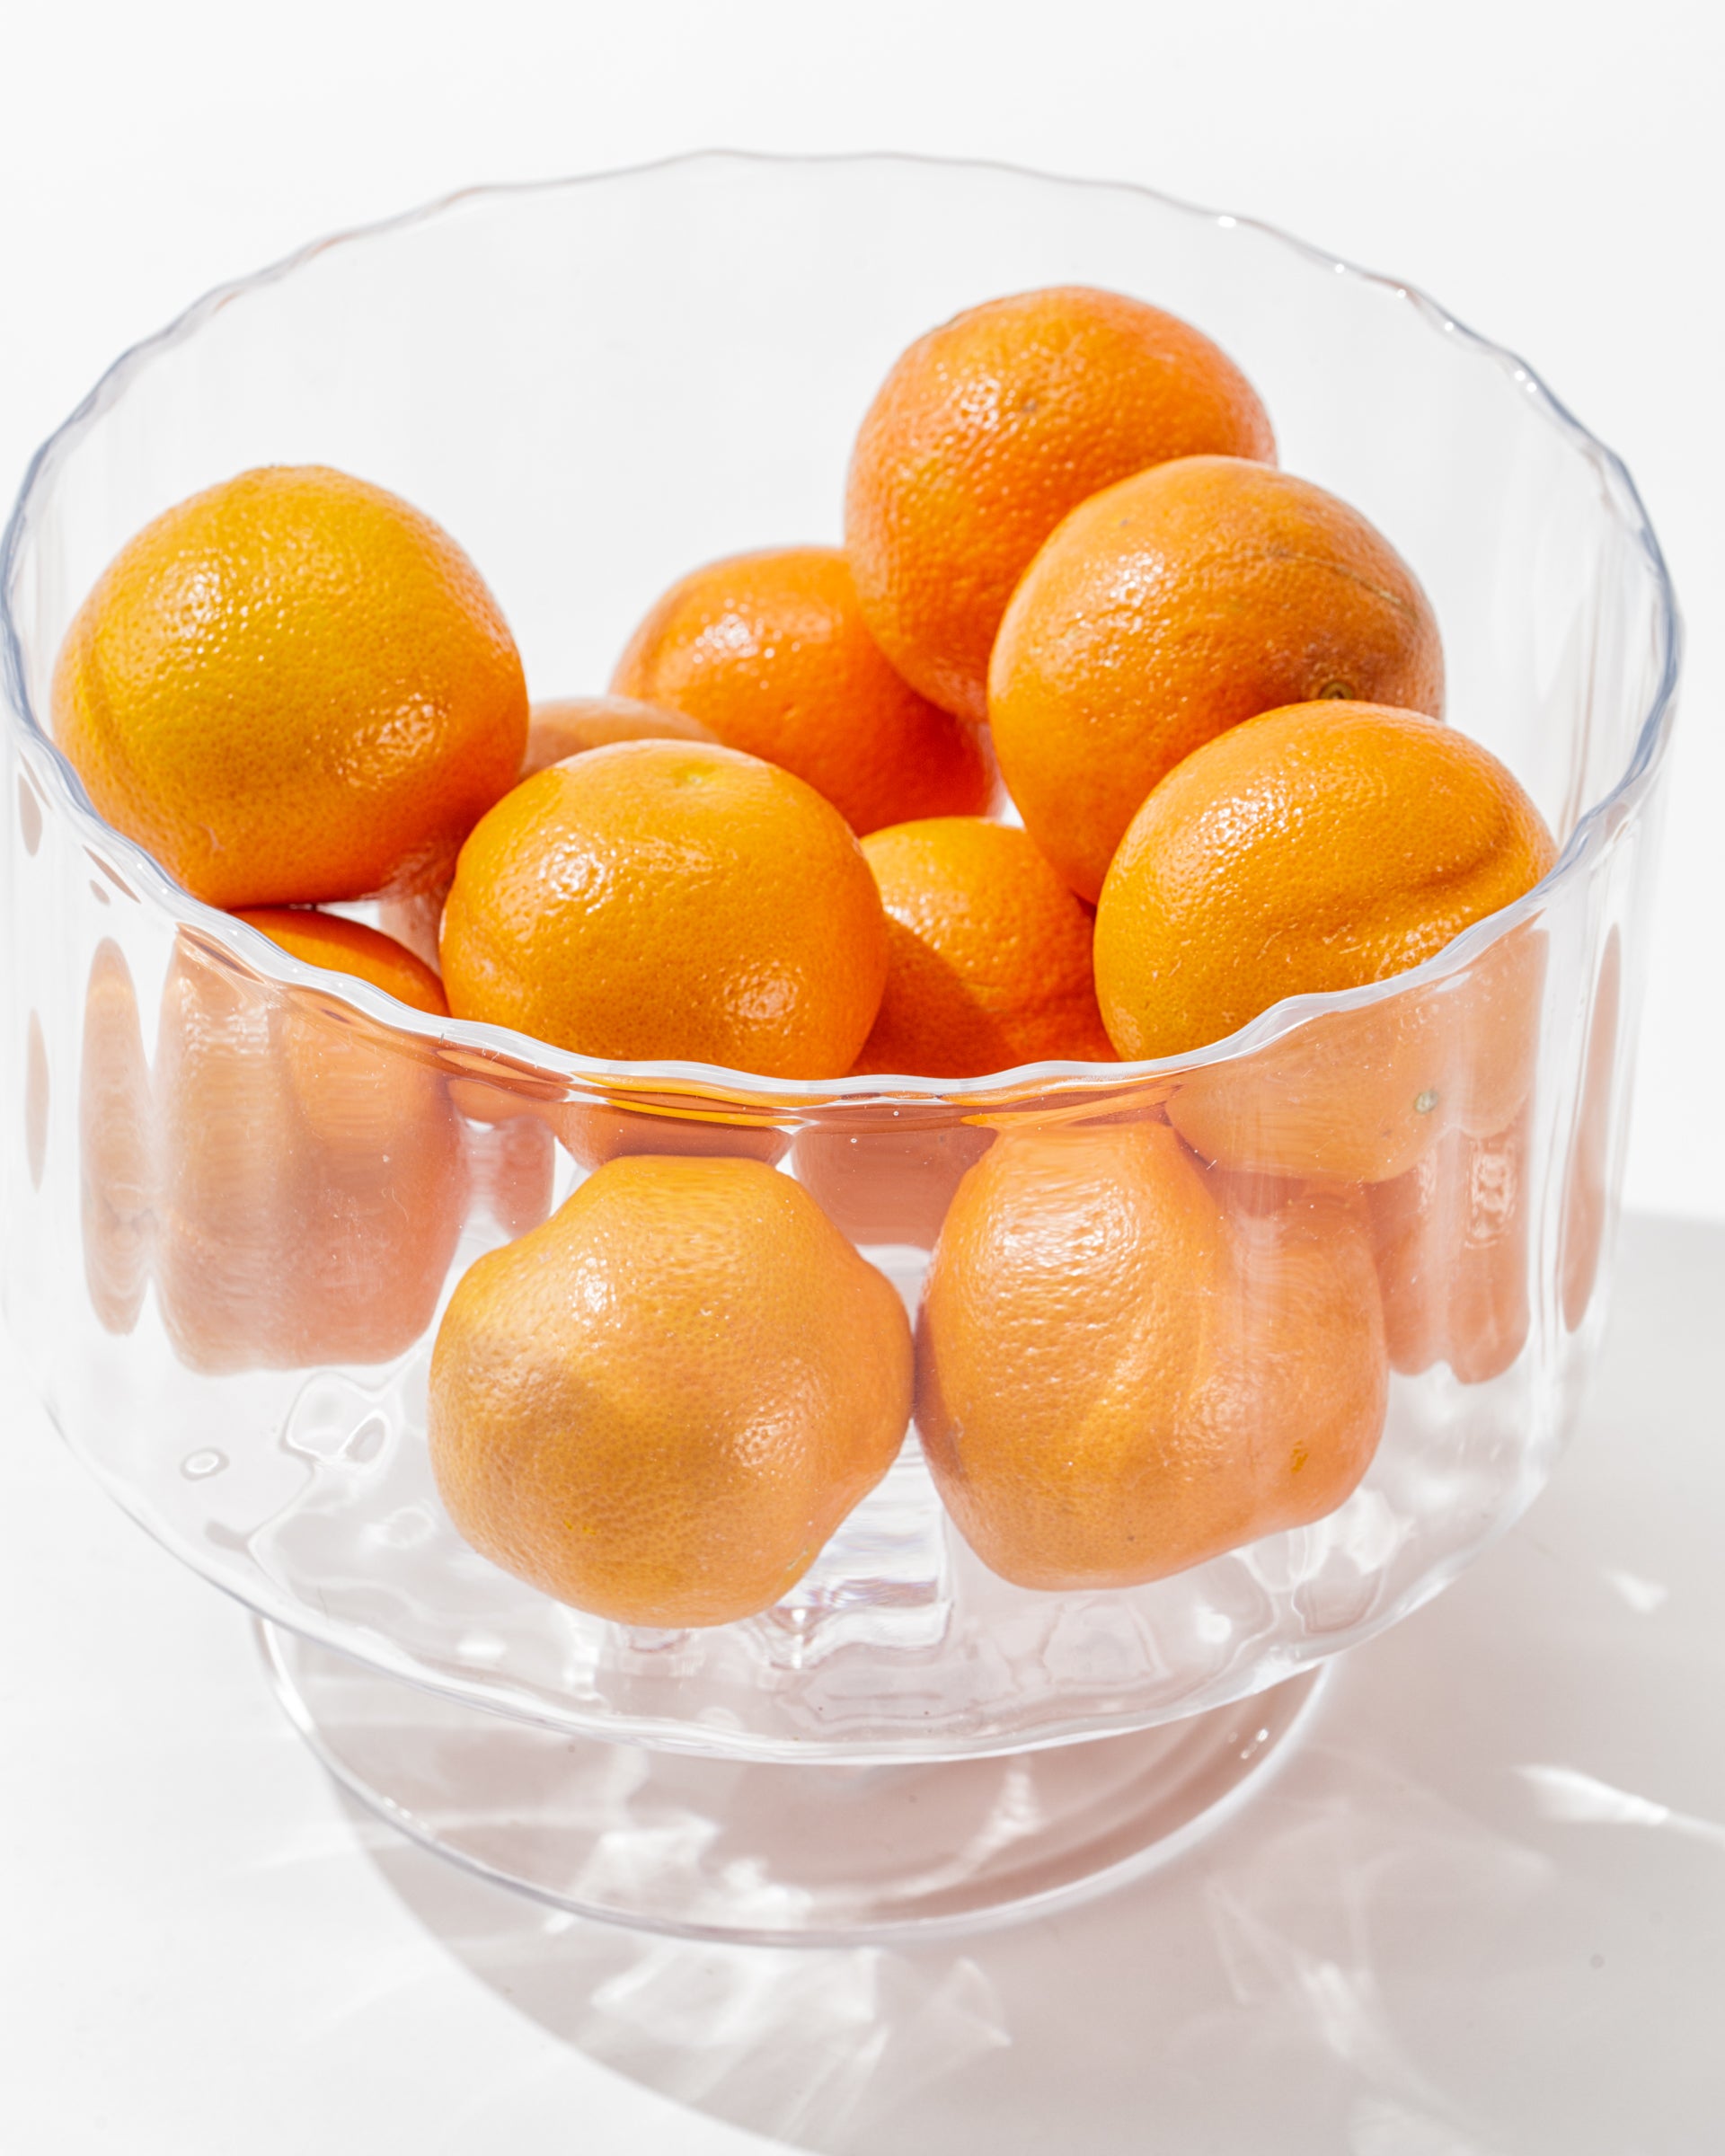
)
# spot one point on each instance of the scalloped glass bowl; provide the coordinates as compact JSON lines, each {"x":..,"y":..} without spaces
{"x":595,"y":384}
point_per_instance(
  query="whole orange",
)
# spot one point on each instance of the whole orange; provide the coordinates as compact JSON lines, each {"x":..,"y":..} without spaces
{"x":659,"y":1405}
{"x":990,"y":429}
{"x":1307,"y":850}
{"x":292,"y":687}
{"x":987,"y":954}
{"x":770,"y":651}
{"x":667,"y":899}
{"x":1115,"y":1379}
{"x":1170,"y":609}
{"x":351,"y":947}
{"x":569,"y":726}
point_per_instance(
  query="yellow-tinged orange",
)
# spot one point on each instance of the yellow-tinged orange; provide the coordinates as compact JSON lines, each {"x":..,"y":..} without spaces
{"x":770,"y":651}
{"x":1118,"y":1379}
{"x":346,"y":946}
{"x":987,"y":954}
{"x":661,"y":1404}
{"x":991,"y":428}
{"x":1168,"y":609}
{"x":292,"y":688}
{"x":669,"y":900}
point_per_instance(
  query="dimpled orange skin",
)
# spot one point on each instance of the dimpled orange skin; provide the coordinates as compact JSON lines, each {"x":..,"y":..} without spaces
{"x":1172,"y":607}
{"x":292,"y":688}
{"x":1305,"y":851}
{"x":990,"y":429}
{"x":351,"y":947}
{"x":1115,"y":1381}
{"x":770,"y":651}
{"x":987,"y":954}
{"x":659,"y":1406}
{"x":668,"y":900}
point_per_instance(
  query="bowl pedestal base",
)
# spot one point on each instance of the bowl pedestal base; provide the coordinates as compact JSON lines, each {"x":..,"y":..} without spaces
{"x":770,"y":1853}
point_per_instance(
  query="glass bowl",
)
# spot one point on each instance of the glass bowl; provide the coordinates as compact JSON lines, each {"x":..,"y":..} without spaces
{"x":228,"y":1302}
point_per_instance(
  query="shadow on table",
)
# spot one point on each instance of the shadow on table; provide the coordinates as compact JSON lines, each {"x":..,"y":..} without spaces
{"x":1483,"y":1911}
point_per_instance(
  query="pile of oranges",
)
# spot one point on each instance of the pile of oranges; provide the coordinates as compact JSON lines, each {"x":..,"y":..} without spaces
{"x":1072,"y":575}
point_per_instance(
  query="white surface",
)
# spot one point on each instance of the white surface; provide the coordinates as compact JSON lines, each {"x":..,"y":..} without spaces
{"x":1480,"y":1913}
{"x":1551,"y":173}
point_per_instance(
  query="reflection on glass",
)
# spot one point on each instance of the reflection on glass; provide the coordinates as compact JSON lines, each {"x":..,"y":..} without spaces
{"x":116,"y":1169}
{"x":311,"y":1181}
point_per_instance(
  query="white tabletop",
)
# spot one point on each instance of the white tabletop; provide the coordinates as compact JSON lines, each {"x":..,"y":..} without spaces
{"x":1481,"y":1912}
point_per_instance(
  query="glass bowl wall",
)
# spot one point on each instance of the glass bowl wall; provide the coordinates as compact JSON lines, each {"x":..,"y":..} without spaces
{"x":594,"y":386}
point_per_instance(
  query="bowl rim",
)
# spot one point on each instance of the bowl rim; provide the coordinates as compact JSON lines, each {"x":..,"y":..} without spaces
{"x":502,"y":1050}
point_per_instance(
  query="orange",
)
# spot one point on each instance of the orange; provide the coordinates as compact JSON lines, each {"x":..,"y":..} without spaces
{"x":666,"y":900}
{"x":990,"y":429}
{"x":770,"y":651}
{"x":891,"y":1185}
{"x":1450,"y":1237}
{"x":659,"y":1406}
{"x":311,"y":1183}
{"x":1173,"y":607}
{"x":1117,"y":1380}
{"x":569,"y":726}
{"x":1360,"y":1096}
{"x":596,"y":1132}
{"x":1308,"y":850}
{"x":987,"y":954}
{"x":292,"y":687}
{"x":349,"y":947}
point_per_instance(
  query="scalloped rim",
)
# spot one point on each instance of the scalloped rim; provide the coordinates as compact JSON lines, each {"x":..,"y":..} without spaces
{"x":499,"y":1044}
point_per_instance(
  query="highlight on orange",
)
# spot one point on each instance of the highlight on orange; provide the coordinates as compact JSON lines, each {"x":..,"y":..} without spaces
{"x":1117,"y":1379}
{"x":770,"y":651}
{"x":991,"y":428}
{"x":674,"y":1443}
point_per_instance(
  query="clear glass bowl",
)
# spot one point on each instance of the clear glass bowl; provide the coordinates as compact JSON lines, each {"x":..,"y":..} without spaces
{"x":228,"y":1300}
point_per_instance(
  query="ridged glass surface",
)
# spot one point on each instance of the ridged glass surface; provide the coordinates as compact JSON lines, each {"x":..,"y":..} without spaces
{"x":594,"y":386}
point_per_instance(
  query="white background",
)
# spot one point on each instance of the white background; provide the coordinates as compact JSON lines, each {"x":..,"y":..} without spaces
{"x":1414,"y":1945}
{"x":1551,"y":173}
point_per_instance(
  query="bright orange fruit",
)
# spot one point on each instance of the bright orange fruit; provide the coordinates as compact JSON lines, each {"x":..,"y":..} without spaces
{"x":666,"y":900}
{"x":990,"y":429}
{"x":346,"y":946}
{"x":659,"y":1405}
{"x":1115,"y":1379}
{"x":770,"y":651}
{"x":1168,"y":609}
{"x":292,"y":688}
{"x":1308,"y":850}
{"x":987,"y":954}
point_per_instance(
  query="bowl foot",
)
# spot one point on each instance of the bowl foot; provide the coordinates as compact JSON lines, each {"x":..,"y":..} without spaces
{"x":777,"y":1854}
